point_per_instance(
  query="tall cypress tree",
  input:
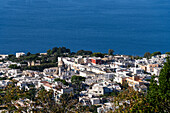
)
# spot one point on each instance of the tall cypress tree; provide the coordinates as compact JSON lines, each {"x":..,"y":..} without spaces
{"x":159,"y":94}
{"x":164,"y":86}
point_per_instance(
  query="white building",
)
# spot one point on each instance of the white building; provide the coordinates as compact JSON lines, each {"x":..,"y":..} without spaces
{"x":137,"y":70}
{"x":106,"y":108}
{"x":157,"y":71}
{"x":95,"y":101}
{"x":3,"y":57}
{"x":99,"y":89}
{"x":19,"y":54}
{"x":50,"y":70}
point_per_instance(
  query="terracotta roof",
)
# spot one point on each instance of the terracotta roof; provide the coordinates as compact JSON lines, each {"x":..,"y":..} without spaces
{"x":44,"y":82}
{"x":48,"y":85}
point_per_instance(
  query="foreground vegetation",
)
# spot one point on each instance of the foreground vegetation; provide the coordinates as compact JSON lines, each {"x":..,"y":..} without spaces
{"x":156,"y":99}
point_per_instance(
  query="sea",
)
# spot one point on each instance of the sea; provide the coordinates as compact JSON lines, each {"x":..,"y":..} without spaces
{"x":130,"y":27}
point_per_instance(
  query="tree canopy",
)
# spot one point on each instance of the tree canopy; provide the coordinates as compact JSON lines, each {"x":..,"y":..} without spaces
{"x":14,"y":66}
{"x":62,"y":80}
{"x":159,"y":93}
{"x":167,"y":53}
{"x":98,"y":54}
{"x":28,"y":54}
{"x":110,"y":52}
{"x":75,"y":79}
{"x":147,"y":55}
{"x":83,"y":52}
{"x":58,"y":51}
{"x":156,"y":53}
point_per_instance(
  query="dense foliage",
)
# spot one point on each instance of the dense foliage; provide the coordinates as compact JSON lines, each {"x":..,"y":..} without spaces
{"x":110,"y":52}
{"x":62,"y":80}
{"x":76,"y":79}
{"x":3,"y":78}
{"x":77,"y":83}
{"x":147,"y":55}
{"x":14,"y":66}
{"x":156,"y":53}
{"x":83,"y":52}
{"x":98,"y":54}
{"x":167,"y":53}
{"x":159,"y":93}
{"x":58,"y":51}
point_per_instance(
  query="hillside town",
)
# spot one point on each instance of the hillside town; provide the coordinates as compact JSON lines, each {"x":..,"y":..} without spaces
{"x":92,"y":81}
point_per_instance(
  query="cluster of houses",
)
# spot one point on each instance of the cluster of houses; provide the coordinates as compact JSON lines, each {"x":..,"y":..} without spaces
{"x":103,"y":76}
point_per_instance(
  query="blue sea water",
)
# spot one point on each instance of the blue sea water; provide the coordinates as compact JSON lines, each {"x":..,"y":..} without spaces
{"x":130,"y":27}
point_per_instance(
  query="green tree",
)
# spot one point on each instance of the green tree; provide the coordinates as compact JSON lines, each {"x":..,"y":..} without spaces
{"x":83,"y":52}
{"x":137,"y":57}
{"x":67,"y":102}
{"x":75,"y":79}
{"x":31,"y":57}
{"x":61,"y":80}
{"x":110,"y":51}
{"x":77,"y":82}
{"x":131,"y":101}
{"x":152,"y":95}
{"x":28,"y":54}
{"x":147,"y":55}
{"x":14,"y":66}
{"x":156,"y":53}
{"x":167,"y":53}
{"x":3,"y":78}
{"x":12,"y":57}
{"x":158,"y":95}
{"x":45,"y":99}
{"x":125,"y":85}
{"x":98,"y":54}
{"x":49,"y":51}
